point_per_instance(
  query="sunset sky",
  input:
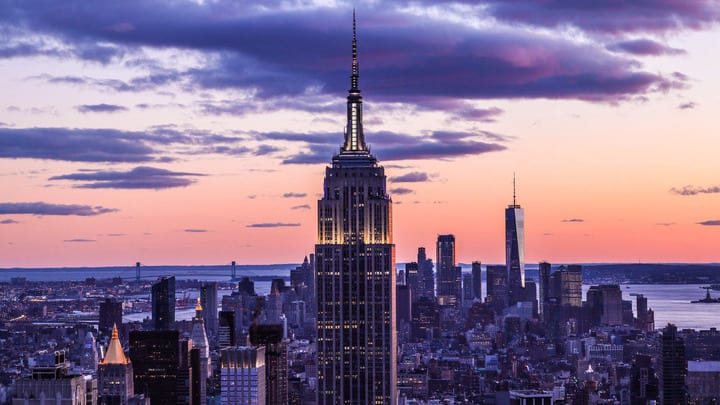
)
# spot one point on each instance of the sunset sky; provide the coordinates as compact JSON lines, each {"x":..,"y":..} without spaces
{"x":198,"y":132}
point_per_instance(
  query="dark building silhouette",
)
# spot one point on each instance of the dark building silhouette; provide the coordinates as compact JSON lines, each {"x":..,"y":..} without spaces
{"x":605,"y":305}
{"x":449,"y":282}
{"x":674,"y":368}
{"x":643,"y":381}
{"x":412,"y":278}
{"x":497,"y":292}
{"x":110,"y":315}
{"x":209,"y":302}
{"x":276,"y":361}
{"x":544,"y":270}
{"x":515,"y":250}
{"x":425,"y":323}
{"x":476,"y":280}
{"x":226,"y":329}
{"x":246,"y":286}
{"x":426,"y":278}
{"x":355,"y":265}
{"x":163,"y":303}
{"x":161,"y":366}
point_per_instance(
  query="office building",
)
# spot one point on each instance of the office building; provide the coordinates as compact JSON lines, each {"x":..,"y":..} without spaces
{"x":449,"y":282}
{"x":161,"y":366}
{"x":605,"y":305}
{"x":497,"y":292}
{"x":226,"y":329}
{"x":515,"y":249}
{"x":110,"y":316}
{"x":673,"y":368}
{"x":209,"y":302}
{"x":51,"y":382}
{"x":355,"y":265}
{"x":426,"y":276}
{"x":204,"y":369}
{"x":270,"y":337}
{"x":115,"y":374}
{"x":544,"y":270}
{"x":163,"y":303}
{"x":242,"y":376}
{"x":476,"y":280}
{"x":412,"y":278}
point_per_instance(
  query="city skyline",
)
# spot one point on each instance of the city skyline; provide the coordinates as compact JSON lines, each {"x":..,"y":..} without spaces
{"x":195,"y":133}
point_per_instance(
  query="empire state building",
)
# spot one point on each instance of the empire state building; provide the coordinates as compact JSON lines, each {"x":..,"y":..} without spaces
{"x":355,"y":267}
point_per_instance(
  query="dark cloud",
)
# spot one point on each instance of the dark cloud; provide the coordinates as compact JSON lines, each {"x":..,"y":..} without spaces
{"x":263,"y":150}
{"x":644,"y":47}
{"x":141,"y":177}
{"x":294,"y":195}
{"x":79,"y":240}
{"x":692,"y":190}
{"x":687,"y":106}
{"x":100,"y":108}
{"x":301,"y":207}
{"x":9,"y":221}
{"x":412,"y":177}
{"x":665,"y":224}
{"x":711,"y":222}
{"x":193,"y":230}
{"x":395,"y":146}
{"x":42,"y":208}
{"x":401,"y":191}
{"x":609,"y":17}
{"x":573,"y":220}
{"x":405,"y":58}
{"x":272,"y":225}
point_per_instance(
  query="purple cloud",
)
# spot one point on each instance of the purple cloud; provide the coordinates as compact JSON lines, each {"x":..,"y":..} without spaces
{"x":141,"y":177}
{"x":712,"y":222}
{"x":644,"y":47}
{"x":404,"y":58}
{"x":665,"y":224}
{"x":687,"y":106}
{"x":294,"y":195}
{"x":100,"y":108}
{"x":401,"y":191}
{"x":573,"y":220}
{"x":195,"y":230}
{"x":42,"y":208}
{"x":9,"y":221}
{"x":412,"y":177}
{"x":692,"y":190}
{"x":300,"y":207}
{"x":272,"y":225}
{"x":609,"y":17}
{"x":79,"y":240}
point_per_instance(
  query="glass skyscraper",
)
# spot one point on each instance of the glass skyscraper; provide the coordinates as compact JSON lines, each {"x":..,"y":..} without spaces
{"x":355,"y":261}
{"x":515,"y":250}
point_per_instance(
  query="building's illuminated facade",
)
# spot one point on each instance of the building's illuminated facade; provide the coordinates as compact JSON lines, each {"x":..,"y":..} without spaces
{"x":355,"y":261}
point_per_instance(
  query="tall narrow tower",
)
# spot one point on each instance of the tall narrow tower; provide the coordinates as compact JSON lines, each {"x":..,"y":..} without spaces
{"x":355,"y":267}
{"x":515,"y":249}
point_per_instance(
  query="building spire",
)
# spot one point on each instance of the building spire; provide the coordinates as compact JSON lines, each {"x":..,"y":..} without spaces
{"x":354,"y":137}
{"x":355,"y":68}
{"x":514,"y":195}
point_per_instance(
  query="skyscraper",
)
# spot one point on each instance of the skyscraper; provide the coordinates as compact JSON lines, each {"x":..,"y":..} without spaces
{"x":110,"y":316}
{"x":497,"y":293}
{"x":477,"y":280}
{"x":270,"y":337}
{"x":449,"y":282}
{"x":426,"y":278}
{"x":355,"y":265}
{"x":515,"y":249}
{"x":200,"y":342}
{"x":115,"y":374}
{"x":544,"y":281}
{"x":673,"y":368}
{"x":161,"y":366}
{"x":163,"y":303}
{"x":209,"y":302}
{"x":242,"y":376}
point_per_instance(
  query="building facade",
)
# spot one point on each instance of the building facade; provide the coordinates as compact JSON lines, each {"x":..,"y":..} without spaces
{"x":355,"y":265}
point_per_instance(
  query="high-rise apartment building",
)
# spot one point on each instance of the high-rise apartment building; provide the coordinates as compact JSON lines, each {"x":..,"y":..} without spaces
{"x":355,"y":265}
{"x":163,"y":303}
{"x":449,"y":282}
{"x":515,"y":250}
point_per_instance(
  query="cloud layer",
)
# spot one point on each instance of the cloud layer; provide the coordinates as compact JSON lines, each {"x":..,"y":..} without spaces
{"x":42,"y":208}
{"x":141,"y":177}
{"x":692,"y":190}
